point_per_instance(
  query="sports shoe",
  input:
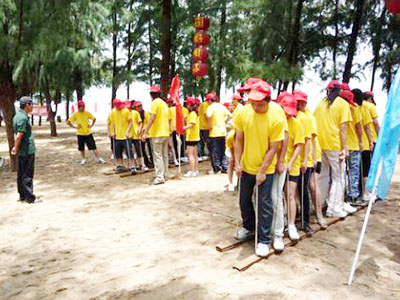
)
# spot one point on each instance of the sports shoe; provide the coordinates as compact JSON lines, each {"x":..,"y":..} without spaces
{"x":145,"y":169}
{"x":176,"y":162}
{"x":133,"y":170}
{"x":278,"y":243}
{"x":321,"y":221}
{"x":195,"y":173}
{"x":112,"y":156}
{"x":336,"y":214}
{"x":83,"y":161}
{"x":205,"y":157}
{"x":348,"y":208}
{"x":188,"y":174}
{"x":243,"y":234}
{"x":308,"y":230}
{"x":101,"y":160}
{"x":293,"y":234}
{"x":231,"y":187}
{"x":156,"y":182}
{"x":262,"y":250}
{"x":184,"y":159}
{"x":200,"y":158}
{"x":124,"y":156}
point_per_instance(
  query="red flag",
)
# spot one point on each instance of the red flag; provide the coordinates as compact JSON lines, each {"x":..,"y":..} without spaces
{"x":174,"y":93}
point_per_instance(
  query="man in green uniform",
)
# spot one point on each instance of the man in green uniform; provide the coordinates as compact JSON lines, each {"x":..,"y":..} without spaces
{"x":24,"y":149}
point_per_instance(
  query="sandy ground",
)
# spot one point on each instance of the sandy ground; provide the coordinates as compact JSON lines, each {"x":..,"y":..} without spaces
{"x":105,"y":237}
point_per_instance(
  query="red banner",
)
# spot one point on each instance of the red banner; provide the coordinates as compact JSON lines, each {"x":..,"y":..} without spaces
{"x":174,"y":93}
{"x":40,"y":111}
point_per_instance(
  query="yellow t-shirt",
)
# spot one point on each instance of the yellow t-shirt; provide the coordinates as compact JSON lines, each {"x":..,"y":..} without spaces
{"x":329,"y":119}
{"x":202,"y":115}
{"x":319,"y":151}
{"x":110,"y":127}
{"x":217,"y":112}
{"x":146,"y":118}
{"x":185,"y":113}
{"x":296,"y":136}
{"x":136,"y":120}
{"x":374,"y":114}
{"x":259,"y":131}
{"x":160,"y":126}
{"x":307,"y":126}
{"x":172,"y":118}
{"x":230,"y":140}
{"x":82,"y":120}
{"x":313,"y":124}
{"x":366,"y":119}
{"x":120,"y":122}
{"x":193,"y":134}
{"x":352,"y":138}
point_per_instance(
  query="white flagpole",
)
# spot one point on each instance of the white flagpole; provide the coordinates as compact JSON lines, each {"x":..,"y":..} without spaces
{"x":360,"y":240}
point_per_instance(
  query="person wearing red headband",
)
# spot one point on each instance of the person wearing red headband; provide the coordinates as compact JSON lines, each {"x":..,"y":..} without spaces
{"x":121,"y":123}
{"x":255,"y":162}
{"x":309,"y":163}
{"x":192,"y":132}
{"x":158,"y":130}
{"x":217,"y":115}
{"x":333,"y":116}
{"x":85,"y":137}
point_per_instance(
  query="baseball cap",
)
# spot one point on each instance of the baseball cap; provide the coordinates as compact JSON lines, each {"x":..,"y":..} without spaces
{"x":345,"y":86}
{"x":25,"y":100}
{"x":236,"y":96}
{"x":349,"y":96}
{"x":248,"y":85}
{"x":300,"y":96}
{"x":289,"y":104}
{"x":370,"y":93}
{"x":155,"y":89}
{"x":137,"y":103}
{"x":334,"y":83}
{"x":211,"y":96}
{"x":259,"y":91}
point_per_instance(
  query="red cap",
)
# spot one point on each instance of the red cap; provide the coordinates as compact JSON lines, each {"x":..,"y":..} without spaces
{"x":370,"y":93}
{"x":212,"y":96}
{"x":190,"y":101}
{"x":137,"y":103}
{"x":198,"y":102}
{"x":259,"y":91}
{"x":281,"y":95}
{"x":300,"y":96}
{"x":81,"y":103}
{"x":248,"y":85}
{"x":127,"y":103}
{"x":116,"y":102}
{"x":345,"y":86}
{"x":289,"y":104}
{"x":236,"y":96}
{"x":334,"y":83}
{"x":349,"y":96}
{"x":155,"y":89}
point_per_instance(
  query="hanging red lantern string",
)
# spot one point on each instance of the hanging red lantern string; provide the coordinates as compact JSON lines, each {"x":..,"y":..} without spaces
{"x":199,"y":70}
{"x":201,"y":23}
{"x":200,"y":54}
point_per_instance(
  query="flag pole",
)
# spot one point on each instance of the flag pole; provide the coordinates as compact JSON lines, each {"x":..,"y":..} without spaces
{"x":360,"y":240}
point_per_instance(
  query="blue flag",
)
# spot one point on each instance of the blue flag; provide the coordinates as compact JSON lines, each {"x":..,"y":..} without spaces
{"x":387,"y":144}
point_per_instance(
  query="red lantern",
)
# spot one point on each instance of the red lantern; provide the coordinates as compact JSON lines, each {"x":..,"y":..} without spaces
{"x":199,"y":69}
{"x":201,"y":23}
{"x":201,"y":38}
{"x":393,"y":6}
{"x":200,"y":54}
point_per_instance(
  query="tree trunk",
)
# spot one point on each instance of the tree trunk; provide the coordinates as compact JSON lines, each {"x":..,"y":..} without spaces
{"x":51,"y":114}
{"x":68,"y":100}
{"x":129,"y":48}
{"x":41,"y":103}
{"x":289,"y":41}
{"x":353,"y":40}
{"x":335,"y":43}
{"x":114,"y":46}
{"x":221,"y":47}
{"x":150,"y":51}
{"x":165,"y":45}
{"x":79,"y":93}
{"x":376,"y":47}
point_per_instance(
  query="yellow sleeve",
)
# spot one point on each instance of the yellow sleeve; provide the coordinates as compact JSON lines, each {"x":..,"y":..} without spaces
{"x":372,"y":111}
{"x":72,"y":118}
{"x":345,"y":113}
{"x":300,"y":135}
{"x":90,"y":116}
{"x":366,"y":117}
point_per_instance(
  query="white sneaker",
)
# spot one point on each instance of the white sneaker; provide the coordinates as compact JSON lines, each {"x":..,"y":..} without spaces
{"x":145,"y":169}
{"x":112,"y":156}
{"x":205,"y":157}
{"x":83,"y":161}
{"x":243,"y":234}
{"x":188,"y":174}
{"x":278,"y":243}
{"x":348,"y":208}
{"x":293,"y":234}
{"x":262,"y":250}
{"x":200,"y":158}
{"x":184,"y":159}
{"x":336,"y":214}
{"x":176,"y":163}
{"x":124,"y":156}
{"x":101,"y":160}
{"x":231,"y":187}
{"x":195,"y":174}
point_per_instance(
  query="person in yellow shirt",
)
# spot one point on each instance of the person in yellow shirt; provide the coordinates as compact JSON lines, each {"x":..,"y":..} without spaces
{"x":137,"y":125}
{"x":333,"y":116}
{"x":172,"y":141}
{"x":158,"y":130}
{"x":120,"y":122}
{"x":354,"y":142}
{"x":370,"y":104}
{"x":192,"y":132}
{"x":217,"y":115}
{"x":292,"y":161}
{"x":309,"y":161}
{"x":204,"y":140}
{"x":81,"y":119}
{"x":260,"y":130}
{"x":144,"y":143}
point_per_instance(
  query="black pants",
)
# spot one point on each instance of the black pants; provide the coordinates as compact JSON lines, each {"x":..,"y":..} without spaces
{"x":147,"y":153}
{"x":204,"y":142}
{"x":183,"y":144}
{"x":265,"y":207}
{"x":26,"y":166}
{"x":305,"y":181}
{"x":219,"y":161}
